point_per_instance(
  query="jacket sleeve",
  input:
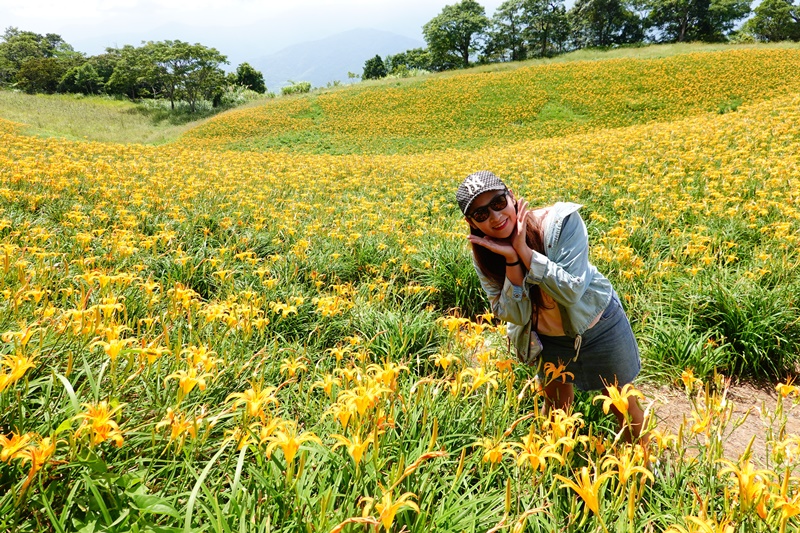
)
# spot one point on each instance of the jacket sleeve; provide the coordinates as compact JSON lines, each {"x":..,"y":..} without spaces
{"x":566,"y":276}
{"x":509,"y":302}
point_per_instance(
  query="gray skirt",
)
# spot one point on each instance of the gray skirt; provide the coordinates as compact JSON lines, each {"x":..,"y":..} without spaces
{"x":608,"y":352}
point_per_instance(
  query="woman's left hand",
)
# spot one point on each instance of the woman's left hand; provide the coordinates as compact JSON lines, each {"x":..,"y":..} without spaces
{"x":518,"y":241}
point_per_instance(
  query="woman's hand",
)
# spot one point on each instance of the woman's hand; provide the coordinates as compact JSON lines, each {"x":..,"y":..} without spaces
{"x":504,"y":248}
{"x":518,"y":239}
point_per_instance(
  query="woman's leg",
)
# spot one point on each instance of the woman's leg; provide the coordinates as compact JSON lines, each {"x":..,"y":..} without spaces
{"x":558,"y":395}
{"x":632,"y":432}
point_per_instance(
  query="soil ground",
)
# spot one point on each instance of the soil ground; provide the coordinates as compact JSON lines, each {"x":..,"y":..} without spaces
{"x":670,"y":405}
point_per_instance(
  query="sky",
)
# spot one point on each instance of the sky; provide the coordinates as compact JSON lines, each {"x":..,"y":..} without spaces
{"x":264,"y":26}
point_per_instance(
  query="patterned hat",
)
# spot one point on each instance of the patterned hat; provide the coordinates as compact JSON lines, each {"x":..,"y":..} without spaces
{"x":474,"y":185}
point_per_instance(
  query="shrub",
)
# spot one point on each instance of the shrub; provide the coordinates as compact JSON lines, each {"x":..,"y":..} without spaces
{"x":296,"y":87}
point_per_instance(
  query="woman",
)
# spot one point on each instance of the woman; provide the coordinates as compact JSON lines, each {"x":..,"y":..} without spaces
{"x":534,"y":266}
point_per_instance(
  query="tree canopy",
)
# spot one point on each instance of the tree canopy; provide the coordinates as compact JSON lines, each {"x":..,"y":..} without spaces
{"x":374,"y":68}
{"x":775,"y":20}
{"x":456,"y":33}
{"x":527,"y":28}
{"x":605,"y":23}
{"x":694,"y":20}
{"x":247,"y":76}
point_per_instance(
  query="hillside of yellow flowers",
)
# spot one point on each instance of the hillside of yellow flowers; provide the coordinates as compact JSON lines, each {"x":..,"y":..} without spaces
{"x":470,"y":110}
{"x":197,"y":339}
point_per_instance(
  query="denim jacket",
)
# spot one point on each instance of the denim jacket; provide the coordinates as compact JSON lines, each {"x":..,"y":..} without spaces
{"x":564,"y":272}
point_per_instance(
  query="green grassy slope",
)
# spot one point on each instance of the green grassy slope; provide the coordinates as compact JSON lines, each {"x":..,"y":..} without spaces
{"x":481,"y":107}
{"x":92,"y":118}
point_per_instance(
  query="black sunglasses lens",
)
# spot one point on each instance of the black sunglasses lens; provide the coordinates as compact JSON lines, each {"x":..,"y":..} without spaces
{"x":498,"y":203}
{"x":480,"y":214}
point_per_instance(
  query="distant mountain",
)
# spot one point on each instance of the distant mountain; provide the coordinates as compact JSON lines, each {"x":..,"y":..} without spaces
{"x":329,"y":59}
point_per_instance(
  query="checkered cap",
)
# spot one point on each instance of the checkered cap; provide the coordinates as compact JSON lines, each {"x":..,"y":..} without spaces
{"x":476,"y":184}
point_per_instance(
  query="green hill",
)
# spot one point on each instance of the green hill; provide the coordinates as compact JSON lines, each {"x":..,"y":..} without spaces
{"x":478,"y":107}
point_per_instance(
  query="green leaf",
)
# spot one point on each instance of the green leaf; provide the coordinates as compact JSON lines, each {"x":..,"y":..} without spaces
{"x":94,"y":462}
{"x":152,"y":504}
{"x":187,"y":526}
{"x":73,"y":400}
{"x":89,"y":527}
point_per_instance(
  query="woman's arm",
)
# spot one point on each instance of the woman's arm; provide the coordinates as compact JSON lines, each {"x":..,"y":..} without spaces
{"x":567,"y":276}
{"x":509,"y":302}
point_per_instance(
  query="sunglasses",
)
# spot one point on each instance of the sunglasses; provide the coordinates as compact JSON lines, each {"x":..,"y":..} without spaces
{"x":498,"y":203}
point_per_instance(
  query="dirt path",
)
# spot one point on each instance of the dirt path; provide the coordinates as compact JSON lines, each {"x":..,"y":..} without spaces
{"x":671,"y":405}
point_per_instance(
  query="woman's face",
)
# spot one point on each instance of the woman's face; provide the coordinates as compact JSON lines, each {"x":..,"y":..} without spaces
{"x":500,"y":224}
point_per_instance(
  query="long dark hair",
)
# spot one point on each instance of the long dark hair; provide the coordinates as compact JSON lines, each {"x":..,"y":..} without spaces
{"x":494,"y":265}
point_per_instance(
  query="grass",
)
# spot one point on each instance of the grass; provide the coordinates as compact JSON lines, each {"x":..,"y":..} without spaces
{"x":86,"y":118}
{"x":101,"y":118}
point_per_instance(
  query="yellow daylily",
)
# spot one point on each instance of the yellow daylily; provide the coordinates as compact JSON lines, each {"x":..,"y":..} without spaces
{"x":702,"y":525}
{"x":112,"y":347}
{"x":292,"y":367}
{"x":180,"y":425}
{"x":326,"y":384}
{"x":256,"y":398}
{"x":752,"y":483}
{"x":355,"y":447}
{"x":188,"y":379}
{"x":495,"y":450}
{"x":11,"y":447}
{"x":689,"y":381}
{"x":619,"y":399}
{"x":97,"y":421}
{"x":480,"y":377}
{"x":388,"y":507}
{"x":588,"y":487}
{"x":289,"y":441}
{"x":625,"y":466}
{"x":787,"y":389}
{"x":17,"y":365}
{"x":553,"y":372}
{"x":535,"y":451}
{"x":37,"y":455}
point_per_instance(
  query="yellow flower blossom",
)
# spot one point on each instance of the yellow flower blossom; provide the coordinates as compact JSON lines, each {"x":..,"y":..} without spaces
{"x":388,"y":507}
{"x":98,"y":423}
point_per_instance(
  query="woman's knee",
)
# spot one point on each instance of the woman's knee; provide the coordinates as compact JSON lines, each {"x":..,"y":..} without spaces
{"x":559,"y":394}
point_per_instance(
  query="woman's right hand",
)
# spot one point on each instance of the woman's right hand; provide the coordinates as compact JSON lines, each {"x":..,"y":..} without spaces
{"x":504,"y":248}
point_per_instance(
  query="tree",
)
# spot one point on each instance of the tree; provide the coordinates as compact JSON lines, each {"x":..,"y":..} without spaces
{"x":454,"y":34}
{"x":18,"y":46}
{"x":374,"y":69}
{"x":506,"y":39}
{"x":81,"y":79}
{"x":775,"y":20}
{"x":528,"y":28}
{"x":604,"y":23}
{"x":40,"y":75}
{"x":694,"y":20}
{"x":413,"y":59}
{"x":548,"y":27}
{"x":247,"y":76}
{"x":133,"y":73}
{"x":184,"y":71}
{"x":104,"y":65}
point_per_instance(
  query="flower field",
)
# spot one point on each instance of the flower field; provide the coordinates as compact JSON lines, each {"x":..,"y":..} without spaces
{"x":200,"y":339}
{"x":469,"y":110}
